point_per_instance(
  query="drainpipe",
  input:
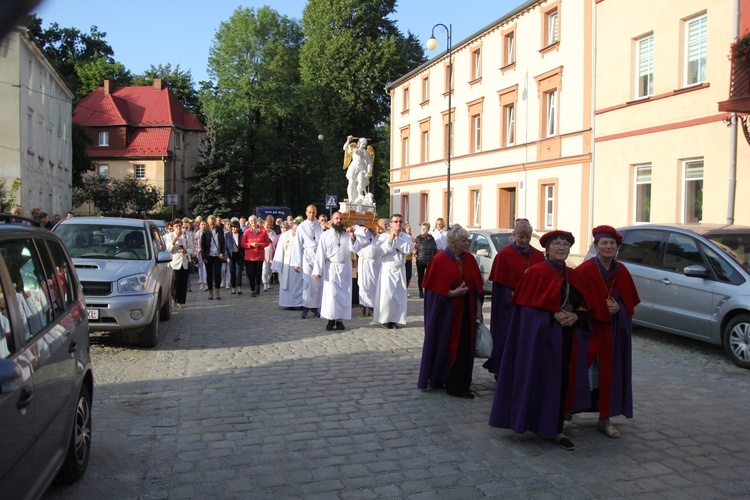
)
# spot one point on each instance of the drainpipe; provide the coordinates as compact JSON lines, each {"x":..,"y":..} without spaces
{"x":592,"y":172}
{"x":733,"y":134}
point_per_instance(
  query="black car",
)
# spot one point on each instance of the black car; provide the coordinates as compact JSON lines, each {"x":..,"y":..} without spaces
{"x":46,"y":380}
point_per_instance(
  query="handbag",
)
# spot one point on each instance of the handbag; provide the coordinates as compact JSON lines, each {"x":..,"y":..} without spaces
{"x":193,"y":264}
{"x":483,"y":344}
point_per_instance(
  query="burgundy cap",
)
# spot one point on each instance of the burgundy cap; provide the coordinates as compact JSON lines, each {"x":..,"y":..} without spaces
{"x":607,"y":232}
{"x":556,"y":234}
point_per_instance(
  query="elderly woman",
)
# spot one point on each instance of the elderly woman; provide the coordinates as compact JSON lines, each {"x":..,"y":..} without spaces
{"x":611,"y":297}
{"x":254,"y":241}
{"x":541,"y":368}
{"x":452,"y":307}
{"x":508,"y":268}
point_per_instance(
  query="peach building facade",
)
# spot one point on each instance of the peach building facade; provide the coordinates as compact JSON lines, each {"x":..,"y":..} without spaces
{"x":662,"y":148}
{"x":521,"y":119}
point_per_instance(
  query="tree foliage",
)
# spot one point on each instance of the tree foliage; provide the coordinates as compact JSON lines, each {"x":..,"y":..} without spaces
{"x":214,"y":191}
{"x":352,"y":50}
{"x":82,"y":163}
{"x":117,"y":196}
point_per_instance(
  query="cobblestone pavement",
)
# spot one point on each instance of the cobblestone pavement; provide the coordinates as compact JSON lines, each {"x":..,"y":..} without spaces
{"x":242,"y":399}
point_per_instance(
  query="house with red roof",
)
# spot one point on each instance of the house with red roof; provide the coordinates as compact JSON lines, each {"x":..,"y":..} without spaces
{"x":144,"y":132}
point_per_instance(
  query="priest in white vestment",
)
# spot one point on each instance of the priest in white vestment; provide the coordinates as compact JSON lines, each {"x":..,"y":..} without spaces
{"x":290,"y":282}
{"x":333,"y":266}
{"x":391,"y":300}
{"x":308,"y":236}
{"x":368,"y":268}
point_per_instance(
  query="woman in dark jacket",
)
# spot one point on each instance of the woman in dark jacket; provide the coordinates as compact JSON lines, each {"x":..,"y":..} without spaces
{"x":425,"y":249}
{"x":213,"y":249}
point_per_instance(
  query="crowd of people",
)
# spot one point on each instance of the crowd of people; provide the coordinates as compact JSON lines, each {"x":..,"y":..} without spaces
{"x":561,"y":335}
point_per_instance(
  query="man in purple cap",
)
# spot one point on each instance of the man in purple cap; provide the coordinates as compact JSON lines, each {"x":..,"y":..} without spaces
{"x":611,"y":298}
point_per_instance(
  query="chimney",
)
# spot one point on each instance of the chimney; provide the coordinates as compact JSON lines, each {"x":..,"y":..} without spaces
{"x":157,"y":83}
{"x":106,"y":87}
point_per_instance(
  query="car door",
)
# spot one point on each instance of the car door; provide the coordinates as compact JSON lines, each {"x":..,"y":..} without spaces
{"x":17,"y":408}
{"x":482,"y":250}
{"x":163,"y":269}
{"x":640,"y":251}
{"x":683,"y":304}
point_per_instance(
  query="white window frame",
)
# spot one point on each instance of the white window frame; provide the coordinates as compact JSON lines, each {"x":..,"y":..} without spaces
{"x":476,"y":124}
{"x":510,"y":124}
{"x":510,"y":48}
{"x":644,"y":66}
{"x":103,"y":138}
{"x":139,"y":172}
{"x":425,"y":137}
{"x":477,"y":205}
{"x":103,"y":171}
{"x":642,"y":176}
{"x":425,"y":89}
{"x":552,"y":33}
{"x":696,"y":39}
{"x":405,"y":152}
{"x":549,"y":206}
{"x":551,"y":112}
{"x":688,"y":179}
{"x":476,"y":60}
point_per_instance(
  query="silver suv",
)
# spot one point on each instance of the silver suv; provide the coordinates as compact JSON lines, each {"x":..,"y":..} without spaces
{"x":693,"y":281}
{"x":125,"y":272}
{"x":46,"y":381}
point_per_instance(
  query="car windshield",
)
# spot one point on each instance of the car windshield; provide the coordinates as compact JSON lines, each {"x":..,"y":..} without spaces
{"x":104,"y":241}
{"x":735,"y":244}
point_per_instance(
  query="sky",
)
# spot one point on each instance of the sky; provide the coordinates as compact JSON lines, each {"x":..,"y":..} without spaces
{"x":143,"y":33}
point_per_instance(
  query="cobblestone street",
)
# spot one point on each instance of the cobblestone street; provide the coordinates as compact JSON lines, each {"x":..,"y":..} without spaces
{"x":242,"y":399}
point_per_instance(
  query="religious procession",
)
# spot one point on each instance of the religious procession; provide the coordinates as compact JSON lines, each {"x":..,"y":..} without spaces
{"x":559,"y":338}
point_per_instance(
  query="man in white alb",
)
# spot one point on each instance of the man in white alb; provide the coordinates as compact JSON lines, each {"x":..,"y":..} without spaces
{"x":303,"y":257}
{"x":395,"y":245}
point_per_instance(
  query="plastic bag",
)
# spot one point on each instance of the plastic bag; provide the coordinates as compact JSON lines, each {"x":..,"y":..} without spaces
{"x":483,"y":344}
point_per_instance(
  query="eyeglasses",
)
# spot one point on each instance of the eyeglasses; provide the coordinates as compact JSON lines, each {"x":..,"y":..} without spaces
{"x":396,"y":221}
{"x":560,"y":244}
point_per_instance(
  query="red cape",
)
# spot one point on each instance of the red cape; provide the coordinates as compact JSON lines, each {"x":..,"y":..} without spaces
{"x":509,"y":265}
{"x":595,"y":293}
{"x":541,"y":287}
{"x":442,"y":275}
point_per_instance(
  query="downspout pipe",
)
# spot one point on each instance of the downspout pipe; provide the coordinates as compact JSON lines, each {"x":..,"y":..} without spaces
{"x":732,"y":188}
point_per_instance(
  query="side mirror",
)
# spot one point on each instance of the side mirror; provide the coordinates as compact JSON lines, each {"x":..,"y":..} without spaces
{"x":164,"y":256}
{"x":696,"y":271}
{"x":483,"y":252}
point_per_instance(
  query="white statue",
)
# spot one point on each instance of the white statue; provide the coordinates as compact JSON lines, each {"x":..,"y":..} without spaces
{"x":358,"y":162}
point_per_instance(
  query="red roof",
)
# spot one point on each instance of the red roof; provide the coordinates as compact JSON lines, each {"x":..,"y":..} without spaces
{"x":136,"y":107}
{"x":144,"y":142}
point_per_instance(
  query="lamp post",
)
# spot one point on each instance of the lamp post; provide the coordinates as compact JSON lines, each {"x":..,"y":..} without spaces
{"x":432,"y":44}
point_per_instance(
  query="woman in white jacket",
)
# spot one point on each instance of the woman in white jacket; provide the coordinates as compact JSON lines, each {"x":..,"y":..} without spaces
{"x":182,"y":248}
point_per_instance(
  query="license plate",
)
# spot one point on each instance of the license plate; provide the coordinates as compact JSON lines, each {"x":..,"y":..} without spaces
{"x":93,"y":313}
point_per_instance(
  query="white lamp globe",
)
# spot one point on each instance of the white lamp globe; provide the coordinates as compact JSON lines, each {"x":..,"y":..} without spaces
{"x":432,"y":43}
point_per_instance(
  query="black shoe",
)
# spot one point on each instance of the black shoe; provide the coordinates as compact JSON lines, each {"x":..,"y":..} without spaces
{"x":315,"y":313}
{"x":393,"y":326}
{"x":330,"y":324}
{"x":387,"y":325}
{"x":339,"y":325}
{"x":463,"y":395}
{"x":421,"y":294}
{"x":304,"y":313}
{"x":564,"y":443}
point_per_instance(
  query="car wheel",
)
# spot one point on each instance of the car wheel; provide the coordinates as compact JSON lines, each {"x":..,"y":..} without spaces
{"x":737,"y":340}
{"x":150,"y":335}
{"x":166,"y":310}
{"x":79,"y":449}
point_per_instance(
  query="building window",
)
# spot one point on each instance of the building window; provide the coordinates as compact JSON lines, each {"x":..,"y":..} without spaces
{"x":643,"y":193}
{"x":448,"y":83}
{"x":405,"y":207}
{"x":476,"y":133}
{"x":695,"y":50}
{"x":140,"y":172}
{"x":103,"y":171}
{"x":406,"y":99}
{"x":548,"y":191}
{"x":551,"y":32}
{"x":509,"y":125}
{"x":177,"y":140}
{"x":425,"y":206}
{"x":509,"y":53}
{"x":476,"y":64}
{"x":103,"y":138}
{"x":425,"y":89}
{"x":645,"y":66}
{"x":424,"y":146}
{"x":475,"y":208}
{"x":550,"y":110}
{"x":405,"y":147}
{"x":448,"y":144}
{"x":693,"y":191}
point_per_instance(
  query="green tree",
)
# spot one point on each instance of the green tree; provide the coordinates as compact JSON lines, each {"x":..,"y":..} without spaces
{"x":135,"y":196}
{"x":180,"y":82}
{"x":91,"y":75}
{"x":255,"y":101}
{"x":97,"y":191}
{"x":352,"y":50}
{"x":212,"y":192}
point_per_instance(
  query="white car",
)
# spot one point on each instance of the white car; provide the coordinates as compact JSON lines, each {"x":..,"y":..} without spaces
{"x":125,"y":272}
{"x":486,"y":243}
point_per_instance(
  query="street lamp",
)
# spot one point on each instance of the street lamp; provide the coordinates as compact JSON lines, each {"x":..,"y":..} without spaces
{"x":432,"y":44}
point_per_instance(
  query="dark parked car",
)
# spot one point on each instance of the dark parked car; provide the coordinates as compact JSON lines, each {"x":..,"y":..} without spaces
{"x":486,"y":243}
{"x":46,"y":381}
{"x":693,"y":281}
{"x":125,"y":271}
